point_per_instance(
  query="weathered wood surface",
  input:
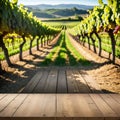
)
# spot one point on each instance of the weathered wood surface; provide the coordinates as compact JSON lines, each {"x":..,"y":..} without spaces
{"x":60,"y":106}
{"x":62,"y":80}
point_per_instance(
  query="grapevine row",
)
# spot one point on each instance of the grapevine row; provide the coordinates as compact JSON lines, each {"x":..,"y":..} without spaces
{"x":103,"y":18}
{"x":17,"y":20}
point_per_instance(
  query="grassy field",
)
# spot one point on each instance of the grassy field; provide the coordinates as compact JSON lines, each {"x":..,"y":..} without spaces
{"x":64,"y":54}
{"x":60,"y":24}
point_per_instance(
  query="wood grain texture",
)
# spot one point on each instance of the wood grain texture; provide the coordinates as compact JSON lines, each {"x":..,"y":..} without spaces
{"x":103,"y":106}
{"x":6,"y":100}
{"x":51,"y":83}
{"x":33,"y":82}
{"x":41,"y":84}
{"x":37,"y":105}
{"x":61,"y":80}
{"x":60,"y":107}
{"x":79,"y":106}
{"x":13,"y":106}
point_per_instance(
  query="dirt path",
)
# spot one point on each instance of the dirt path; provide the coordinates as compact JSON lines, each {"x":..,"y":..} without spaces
{"x":18,"y":76}
{"x":106,"y":75}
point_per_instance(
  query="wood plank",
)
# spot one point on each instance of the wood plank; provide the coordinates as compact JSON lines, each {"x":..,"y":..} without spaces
{"x":41,"y":85}
{"x":103,"y":106}
{"x":71,"y":82}
{"x":116,"y":97}
{"x":33,"y":82}
{"x":2,"y":96}
{"x":60,"y":107}
{"x":91,"y":83}
{"x":28,"y":118}
{"x":37,"y":105}
{"x":76,"y":105}
{"x":112,"y":103}
{"x":62,"y":82}
{"x":13,"y":106}
{"x":111,"y":118}
{"x":83,"y":86}
{"x":6,"y":101}
{"x":89,"y":118}
{"x":93,"y":107}
{"x":76,"y":86}
{"x":51,"y":83}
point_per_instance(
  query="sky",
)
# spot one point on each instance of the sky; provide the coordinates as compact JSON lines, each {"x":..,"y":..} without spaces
{"x":53,"y":2}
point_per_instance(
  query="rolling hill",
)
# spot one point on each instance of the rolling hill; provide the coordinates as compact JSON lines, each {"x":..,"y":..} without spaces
{"x":57,"y":13}
{"x":60,"y":6}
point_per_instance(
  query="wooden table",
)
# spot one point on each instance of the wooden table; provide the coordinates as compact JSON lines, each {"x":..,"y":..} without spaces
{"x":59,"y":107}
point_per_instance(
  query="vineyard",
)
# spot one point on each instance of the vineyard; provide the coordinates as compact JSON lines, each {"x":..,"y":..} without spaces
{"x":58,"y":43}
{"x":17,"y":20}
{"x":103,"y":18}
